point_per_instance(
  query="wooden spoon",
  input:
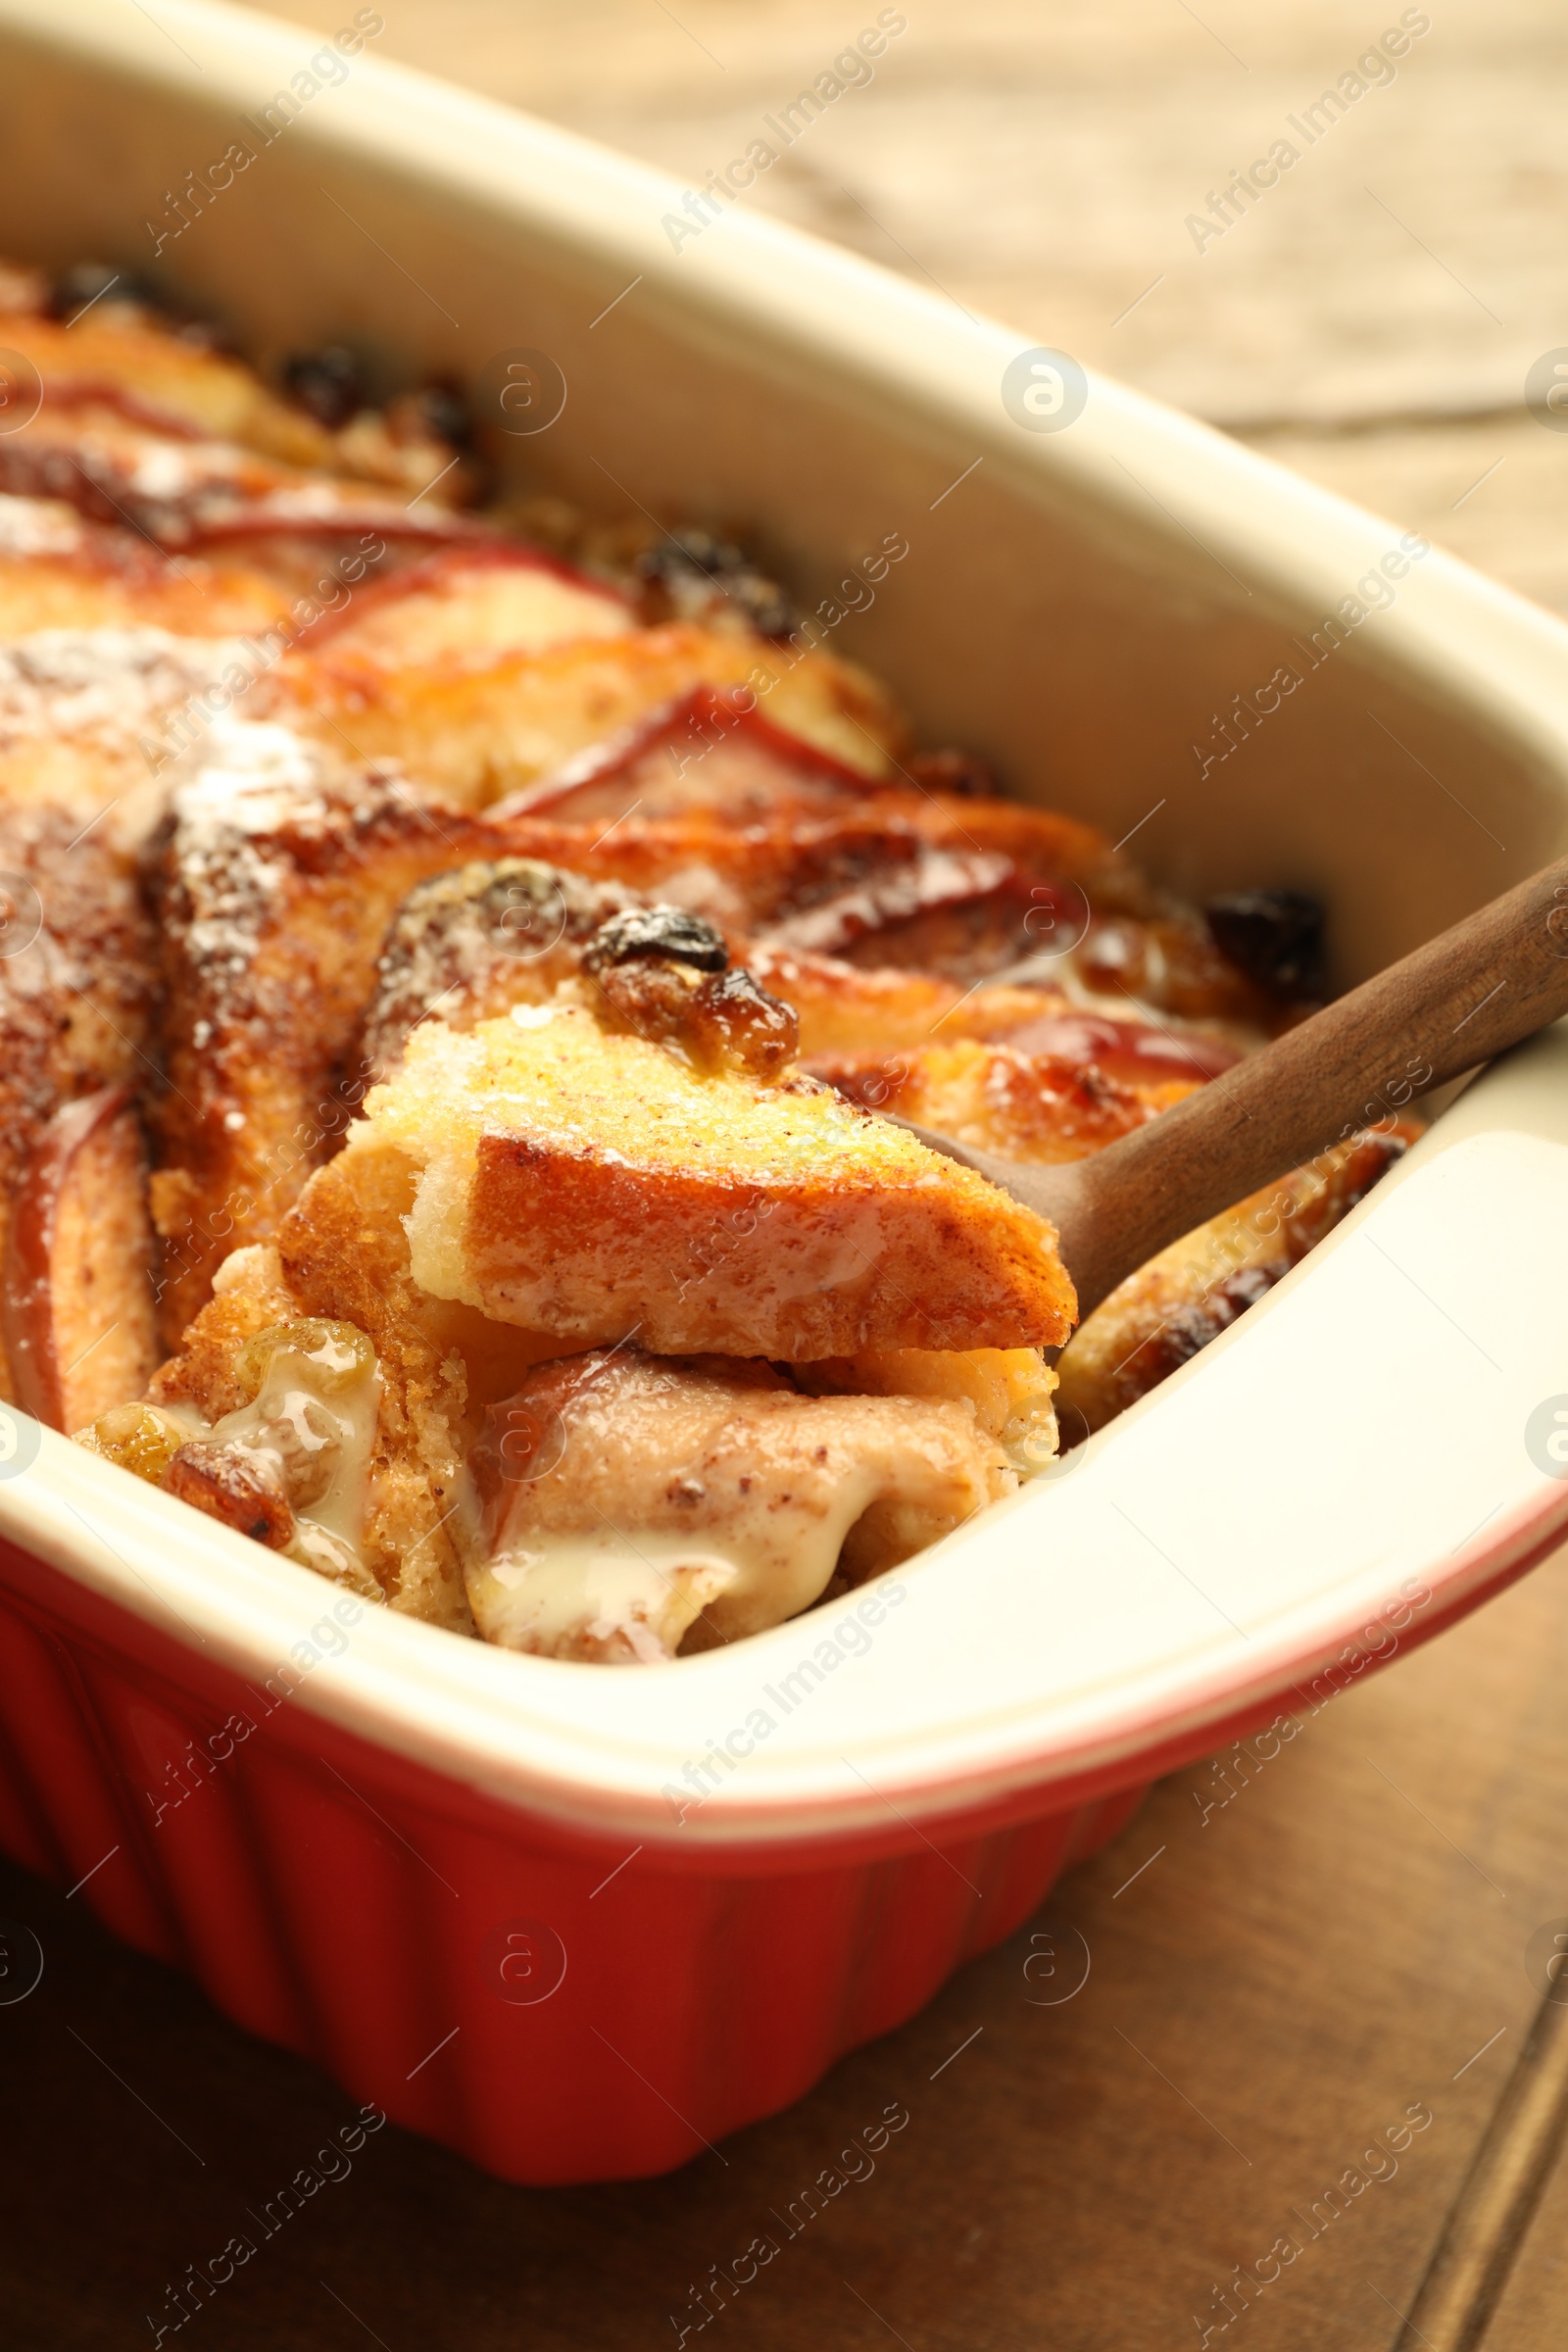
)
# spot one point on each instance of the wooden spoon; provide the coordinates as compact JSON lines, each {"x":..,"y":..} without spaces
{"x":1492,"y":980}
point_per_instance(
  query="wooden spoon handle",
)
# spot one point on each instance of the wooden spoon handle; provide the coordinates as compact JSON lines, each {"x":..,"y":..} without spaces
{"x":1493,"y":979}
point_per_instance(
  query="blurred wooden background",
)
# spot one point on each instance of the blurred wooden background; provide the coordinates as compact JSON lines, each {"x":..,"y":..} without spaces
{"x":1370,"y":322}
{"x":1285,"y":1958}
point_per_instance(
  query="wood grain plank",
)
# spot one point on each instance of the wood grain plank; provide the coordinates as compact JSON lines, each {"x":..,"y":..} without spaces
{"x":1514,"y":2164}
{"x":1533,"y":2304}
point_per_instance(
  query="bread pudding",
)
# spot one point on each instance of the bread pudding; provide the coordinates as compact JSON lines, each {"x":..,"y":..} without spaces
{"x":453,"y":962}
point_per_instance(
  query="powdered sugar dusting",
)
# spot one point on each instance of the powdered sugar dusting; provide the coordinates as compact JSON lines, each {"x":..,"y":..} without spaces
{"x":252,"y":781}
{"x":103,"y":683}
{"x":170,"y":475}
{"x":37,"y":526}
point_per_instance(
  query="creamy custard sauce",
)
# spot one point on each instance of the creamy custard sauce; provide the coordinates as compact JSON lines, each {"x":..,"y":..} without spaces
{"x":626,"y":1504}
{"x":322,"y":1432}
{"x":581,"y":1592}
{"x":303,"y":1445}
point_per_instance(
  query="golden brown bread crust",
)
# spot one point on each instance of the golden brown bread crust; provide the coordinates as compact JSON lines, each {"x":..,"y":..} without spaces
{"x":596,"y":1251}
{"x":113,"y":465}
{"x":831,"y":870}
{"x":123,"y":360}
{"x":60,"y":570}
{"x":573,"y":1180}
{"x":712,"y":749}
{"x":87,"y":716}
{"x":464,"y":606}
{"x":261,"y":1029}
{"x":124,"y":397}
{"x":848,"y":1009}
{"x":273,"y":906}
{"x":76,"y":981}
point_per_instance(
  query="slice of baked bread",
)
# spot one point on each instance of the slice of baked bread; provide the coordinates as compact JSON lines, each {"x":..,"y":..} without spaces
{"x":466,"y":606}
{"x":1160,"y":1317}
{"x":475,"y":733}
{"x":996,"y":1097}
{"x":596,"y":1185}
{"x":76,"y":988}
{"x":633,"y":1506}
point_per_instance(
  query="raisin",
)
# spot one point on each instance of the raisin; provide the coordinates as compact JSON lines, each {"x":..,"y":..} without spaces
{"x":720,"y":1020}
{"x":692,"y":570}
{"x":1274,"y":936}
{"x":639,"y":931}
{"x":438,"y":411}
{"x":139,"y":1437}
{"x":735,"y":1024}
{"x":326,"y":383}
{"x":648,"y":999}
{"x":240,"y":1484}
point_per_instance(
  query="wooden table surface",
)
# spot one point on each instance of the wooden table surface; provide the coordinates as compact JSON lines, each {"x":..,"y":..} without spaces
{"x":1287,"y":1956}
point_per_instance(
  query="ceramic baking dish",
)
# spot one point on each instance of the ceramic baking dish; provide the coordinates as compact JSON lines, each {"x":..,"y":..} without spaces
{"x":579,"y":1922}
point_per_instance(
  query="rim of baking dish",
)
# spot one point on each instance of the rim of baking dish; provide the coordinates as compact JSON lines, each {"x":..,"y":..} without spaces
{"x":1339,"y":1472}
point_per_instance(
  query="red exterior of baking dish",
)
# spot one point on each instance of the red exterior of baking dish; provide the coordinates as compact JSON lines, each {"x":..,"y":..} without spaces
{"x":549,"y":2007}
{"x":555,"y":2009}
